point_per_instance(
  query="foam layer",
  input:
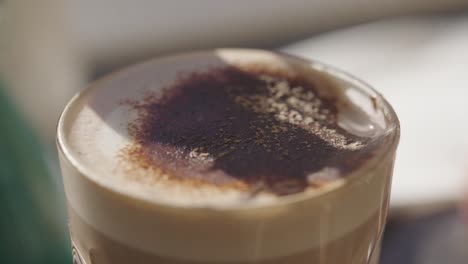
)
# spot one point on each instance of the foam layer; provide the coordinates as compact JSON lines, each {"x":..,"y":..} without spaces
{"x":224,"y":130}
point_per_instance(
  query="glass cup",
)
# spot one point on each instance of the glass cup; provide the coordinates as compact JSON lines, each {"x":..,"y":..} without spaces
{"x":341,"y":222}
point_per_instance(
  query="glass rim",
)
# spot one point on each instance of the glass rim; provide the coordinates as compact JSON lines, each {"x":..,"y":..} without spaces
{"x":383,"y":153}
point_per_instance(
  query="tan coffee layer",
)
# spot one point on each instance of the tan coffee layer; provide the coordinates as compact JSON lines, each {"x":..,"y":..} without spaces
{"x":293,"y":225}
{"x":353,"y":247}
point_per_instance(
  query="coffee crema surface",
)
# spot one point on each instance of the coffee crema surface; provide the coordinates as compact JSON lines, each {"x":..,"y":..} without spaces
{"x":248,"y":131}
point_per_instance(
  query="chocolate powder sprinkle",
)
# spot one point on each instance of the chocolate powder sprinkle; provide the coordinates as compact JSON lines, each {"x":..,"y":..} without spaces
{"x":258,"y":130}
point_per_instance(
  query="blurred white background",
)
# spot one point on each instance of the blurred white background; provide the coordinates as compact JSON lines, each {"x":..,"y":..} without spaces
{"x":53,"y":47}
{"x":112,"y":31}
{"x":420,"y":65}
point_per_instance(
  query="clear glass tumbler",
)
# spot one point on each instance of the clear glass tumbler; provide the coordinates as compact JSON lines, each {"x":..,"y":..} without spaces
{"x":341,"y":222}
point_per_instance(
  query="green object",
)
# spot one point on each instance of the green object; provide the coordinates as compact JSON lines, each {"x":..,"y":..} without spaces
{"x":32,"y":226}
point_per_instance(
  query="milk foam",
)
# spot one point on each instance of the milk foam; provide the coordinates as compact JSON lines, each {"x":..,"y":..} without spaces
{"x":100,"y":129}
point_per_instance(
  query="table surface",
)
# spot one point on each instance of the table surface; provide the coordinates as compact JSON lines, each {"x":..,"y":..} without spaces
{"x":441,"y":237}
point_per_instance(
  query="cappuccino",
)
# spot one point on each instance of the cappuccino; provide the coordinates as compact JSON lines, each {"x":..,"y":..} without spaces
{"x":227,"y":156}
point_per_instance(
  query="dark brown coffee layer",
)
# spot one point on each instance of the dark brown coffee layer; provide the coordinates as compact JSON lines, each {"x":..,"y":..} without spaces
{"x":255,"y":129}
